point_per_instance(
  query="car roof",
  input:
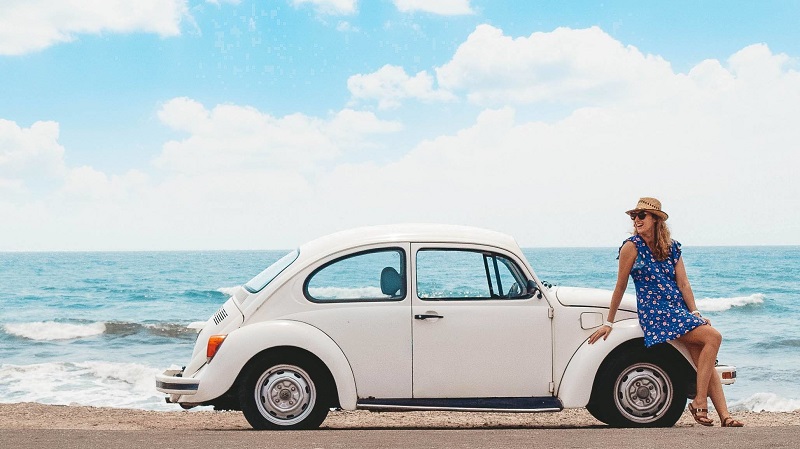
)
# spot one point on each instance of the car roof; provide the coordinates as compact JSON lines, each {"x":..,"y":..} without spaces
{"x":406,"y":232}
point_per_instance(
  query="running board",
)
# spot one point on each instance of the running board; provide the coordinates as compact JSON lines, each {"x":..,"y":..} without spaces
{"x":504,"y":405}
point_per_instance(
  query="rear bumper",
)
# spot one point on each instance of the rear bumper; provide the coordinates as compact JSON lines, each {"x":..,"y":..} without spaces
{"x":727,"y":374}
{"x":173,"y":383}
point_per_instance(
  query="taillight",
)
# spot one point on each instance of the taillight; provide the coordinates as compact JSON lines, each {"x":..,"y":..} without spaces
{"x":214,"y":342}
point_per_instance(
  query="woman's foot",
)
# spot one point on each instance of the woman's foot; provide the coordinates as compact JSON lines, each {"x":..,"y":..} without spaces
{"x":728,"y":421}
{"x":700,"y":415}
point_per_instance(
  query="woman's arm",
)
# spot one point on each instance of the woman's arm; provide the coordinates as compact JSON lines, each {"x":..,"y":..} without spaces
{"x":627,"y":257}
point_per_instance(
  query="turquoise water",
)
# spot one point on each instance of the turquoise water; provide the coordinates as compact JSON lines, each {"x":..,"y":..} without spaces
{"x":93,"y":328}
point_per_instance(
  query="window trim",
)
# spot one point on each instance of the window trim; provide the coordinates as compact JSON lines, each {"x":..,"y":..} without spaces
{"x":516,"y":271}
{"x":264,"y":285}
{"x":403,"y":275}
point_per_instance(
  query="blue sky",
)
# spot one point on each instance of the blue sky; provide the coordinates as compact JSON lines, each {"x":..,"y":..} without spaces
{"x":161,"y":126}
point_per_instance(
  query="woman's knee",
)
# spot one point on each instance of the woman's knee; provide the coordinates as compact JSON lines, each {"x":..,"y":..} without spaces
{"x":712,"y":336}
{"x":704,"y":335}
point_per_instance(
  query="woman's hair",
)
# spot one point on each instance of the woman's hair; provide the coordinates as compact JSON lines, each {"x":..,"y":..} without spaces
{"x":663,"y":239}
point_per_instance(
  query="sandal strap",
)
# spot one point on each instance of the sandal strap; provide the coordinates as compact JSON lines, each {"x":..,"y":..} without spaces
{"x":729,"y":419}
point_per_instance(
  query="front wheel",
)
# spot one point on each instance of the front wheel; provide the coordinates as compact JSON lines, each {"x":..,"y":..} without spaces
{"x":284,"y":394}
{"x":638,"y":390}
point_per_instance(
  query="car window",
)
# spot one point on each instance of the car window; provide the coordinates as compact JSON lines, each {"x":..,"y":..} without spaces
{"x":368,"y":276}
{"x":462,"y":274}
{"x":265,"y":277}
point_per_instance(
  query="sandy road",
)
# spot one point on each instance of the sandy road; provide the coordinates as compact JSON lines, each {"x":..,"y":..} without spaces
{"x":754,"y":437}
{"x":26,"y":425}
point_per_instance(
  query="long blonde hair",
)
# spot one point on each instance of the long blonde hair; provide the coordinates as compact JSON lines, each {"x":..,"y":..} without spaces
{"x":663,"y":239}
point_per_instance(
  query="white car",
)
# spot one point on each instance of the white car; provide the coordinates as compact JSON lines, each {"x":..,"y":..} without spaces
{"x":424,"y":317}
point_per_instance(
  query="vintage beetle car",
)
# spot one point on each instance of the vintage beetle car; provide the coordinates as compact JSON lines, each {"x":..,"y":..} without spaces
{"x":424,"y":317}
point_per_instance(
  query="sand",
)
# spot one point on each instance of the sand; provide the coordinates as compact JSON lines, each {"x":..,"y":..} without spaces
{"x":38,"y":416}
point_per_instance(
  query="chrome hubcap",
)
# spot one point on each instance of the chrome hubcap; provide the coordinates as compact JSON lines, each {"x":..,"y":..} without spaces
{"x":285,"y":394}
{"x":643,"y":392}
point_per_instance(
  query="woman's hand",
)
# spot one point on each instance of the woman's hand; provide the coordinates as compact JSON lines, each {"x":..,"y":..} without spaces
{"x":697,"y":314}
{"x":604,"y":332}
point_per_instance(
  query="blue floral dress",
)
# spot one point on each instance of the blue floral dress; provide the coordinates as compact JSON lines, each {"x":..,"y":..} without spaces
{"x":662,"y":312}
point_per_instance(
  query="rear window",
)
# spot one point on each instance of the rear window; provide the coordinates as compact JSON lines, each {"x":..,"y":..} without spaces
{"x":377,"y":275}
{"x":263,"y":279}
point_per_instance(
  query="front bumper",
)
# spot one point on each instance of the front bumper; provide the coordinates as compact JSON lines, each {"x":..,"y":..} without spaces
{"x":172,"y":382}
{"x":727,"y":374}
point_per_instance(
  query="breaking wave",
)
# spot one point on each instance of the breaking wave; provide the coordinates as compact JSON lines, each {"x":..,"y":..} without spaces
{"x":51,"y":330}
{"x":55,"y":330}
{"x":723,"y":304}
{"x":97,"y":383}
{"x":766,"y":402}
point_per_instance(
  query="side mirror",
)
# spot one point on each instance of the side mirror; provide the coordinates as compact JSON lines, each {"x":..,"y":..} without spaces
{"x":534,"y":289}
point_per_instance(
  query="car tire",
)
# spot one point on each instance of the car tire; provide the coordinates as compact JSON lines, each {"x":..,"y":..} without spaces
{"x":290,"y":392}
{"x":638,"y":389}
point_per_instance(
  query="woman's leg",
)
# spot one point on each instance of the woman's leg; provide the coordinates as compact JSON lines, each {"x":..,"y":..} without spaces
{"x":714,"y":387}
{"x":704,"y":342}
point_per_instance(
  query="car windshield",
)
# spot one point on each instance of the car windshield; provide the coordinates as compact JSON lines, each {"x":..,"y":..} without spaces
{"x":265,"y":277}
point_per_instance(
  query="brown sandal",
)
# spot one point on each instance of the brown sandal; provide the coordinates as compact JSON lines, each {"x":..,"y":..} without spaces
{"x":703,"y":420}
{"x":730,"y":422}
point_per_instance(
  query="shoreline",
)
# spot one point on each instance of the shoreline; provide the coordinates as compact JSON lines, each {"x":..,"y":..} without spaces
{"x":41,"y":416}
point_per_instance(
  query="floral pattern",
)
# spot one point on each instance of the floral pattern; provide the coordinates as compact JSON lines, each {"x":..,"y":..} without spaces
{"x":662,"y":312}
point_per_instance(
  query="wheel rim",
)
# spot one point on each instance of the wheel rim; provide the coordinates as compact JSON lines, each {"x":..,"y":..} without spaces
{"x":643,"y":392}
{"x":285,"y":394}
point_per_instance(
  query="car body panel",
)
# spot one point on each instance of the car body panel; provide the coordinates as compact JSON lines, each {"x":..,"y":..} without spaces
{"x":243,"y":344}
{"x":575,"y":385}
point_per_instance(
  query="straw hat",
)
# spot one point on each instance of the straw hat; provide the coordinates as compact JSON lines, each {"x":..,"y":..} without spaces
{"x":651,"y":205}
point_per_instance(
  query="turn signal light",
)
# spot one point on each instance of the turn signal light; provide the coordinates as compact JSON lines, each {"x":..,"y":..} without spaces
{"x":728,"y":375}
{"x":214,"y":342}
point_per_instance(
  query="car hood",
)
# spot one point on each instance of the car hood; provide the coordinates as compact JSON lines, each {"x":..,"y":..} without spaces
{"x":591,"y":297}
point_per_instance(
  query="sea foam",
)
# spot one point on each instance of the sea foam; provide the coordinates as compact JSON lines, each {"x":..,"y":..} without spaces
{"x":96,"y":383}
{"x":228,"y":291}
{"x":52,"y":330}
{"x":723,"y":304}
{"x":766,"y":402}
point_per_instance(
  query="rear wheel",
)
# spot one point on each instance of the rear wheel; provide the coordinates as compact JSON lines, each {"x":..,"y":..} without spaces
{"x":638,"y":389}
{"x":285,"y":393}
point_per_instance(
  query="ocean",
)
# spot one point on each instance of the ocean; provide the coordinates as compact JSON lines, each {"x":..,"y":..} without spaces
{"x":93,"y":328}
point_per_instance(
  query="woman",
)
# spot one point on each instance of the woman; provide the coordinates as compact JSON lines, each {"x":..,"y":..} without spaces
{"x":666,"y":306}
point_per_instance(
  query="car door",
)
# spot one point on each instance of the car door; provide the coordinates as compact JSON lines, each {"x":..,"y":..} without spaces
{"x":360,"y":299}
{"x":476,"y":333}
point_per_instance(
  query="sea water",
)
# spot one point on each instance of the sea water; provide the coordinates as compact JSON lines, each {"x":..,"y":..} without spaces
{"x":94,"y":328}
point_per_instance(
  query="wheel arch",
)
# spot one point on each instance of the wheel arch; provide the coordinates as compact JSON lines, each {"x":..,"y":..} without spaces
{"x":575,"y":389}
{"x":667,"y":352}
{"x":248,"y":344}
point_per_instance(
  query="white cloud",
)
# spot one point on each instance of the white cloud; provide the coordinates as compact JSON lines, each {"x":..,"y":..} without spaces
{"x":331,"y":7}
{"x":30,"y":151}
{"x":390,"y":85}
{"x":231,"y":137}
{"x":442,"y":7}
{"x":564,"y":66}
{"x":718,"y":145}
{"x":32,"y":25}
{"x":90,"y":184}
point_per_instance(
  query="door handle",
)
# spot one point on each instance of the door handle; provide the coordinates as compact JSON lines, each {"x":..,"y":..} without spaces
{"x":427,"y":316}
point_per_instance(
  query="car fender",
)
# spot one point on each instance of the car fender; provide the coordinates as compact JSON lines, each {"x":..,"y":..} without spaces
{"x":575,"y":387}
{"x":241,"y":345}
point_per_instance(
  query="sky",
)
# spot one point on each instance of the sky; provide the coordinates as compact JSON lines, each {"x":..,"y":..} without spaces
{"x":262,"y":124}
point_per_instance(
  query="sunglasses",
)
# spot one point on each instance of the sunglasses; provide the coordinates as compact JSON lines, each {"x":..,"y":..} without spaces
{"x":640,"y":215}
